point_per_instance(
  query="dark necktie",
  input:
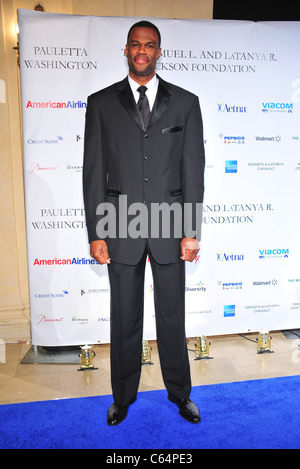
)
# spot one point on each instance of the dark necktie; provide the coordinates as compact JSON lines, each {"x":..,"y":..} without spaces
{"x":143,"y":105}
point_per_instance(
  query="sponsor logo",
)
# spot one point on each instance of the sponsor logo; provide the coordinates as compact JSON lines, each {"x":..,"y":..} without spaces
{"x":196,"y":287}
{"x":43,"y":319}
{"x":277,"y":107}
{"x":229,"y":311}
{"x":231,"y":166}
{"x":94,"y":290}
{"x":273,"y":253}
{"x":56,"y":104}
{"x":233,"y":139}
{"x":35,"y":167}
{"x":45,"y":141}
{"x":222,"y":256}
{"x":81,"y":321}
{"x":58,"y":261}
{"x":231,"y":285}
{"x":276,"y":139}
{"x":76,"y":168}
{"x":264,"y":283}
{"x":263,"y":308}
{"x":51,"y":295}
{"x":266,"y":166}
{"x":223,"y":107}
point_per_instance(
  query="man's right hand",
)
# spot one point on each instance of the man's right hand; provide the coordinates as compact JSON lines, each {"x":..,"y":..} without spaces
{"x":99,"y":251}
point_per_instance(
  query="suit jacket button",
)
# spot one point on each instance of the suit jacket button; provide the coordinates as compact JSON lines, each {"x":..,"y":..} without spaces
{"x":146,"y":135}
{"x":145,"y":157}
{"x":146,"y":179}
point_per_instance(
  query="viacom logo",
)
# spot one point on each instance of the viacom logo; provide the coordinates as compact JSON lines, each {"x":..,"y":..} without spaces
{"x":277,"y":107}
{"x":273,"y":253}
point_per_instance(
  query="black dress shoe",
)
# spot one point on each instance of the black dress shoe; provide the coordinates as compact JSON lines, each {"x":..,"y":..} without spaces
{"x":187,"y":409}
{"x":116,"y":414}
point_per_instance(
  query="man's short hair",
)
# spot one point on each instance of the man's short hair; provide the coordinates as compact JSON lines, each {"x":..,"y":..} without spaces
{"x":145,"y":24}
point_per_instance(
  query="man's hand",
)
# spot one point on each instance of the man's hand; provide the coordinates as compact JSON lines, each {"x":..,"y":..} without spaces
{"x":189,"y":249}
{"x":99,"y":251}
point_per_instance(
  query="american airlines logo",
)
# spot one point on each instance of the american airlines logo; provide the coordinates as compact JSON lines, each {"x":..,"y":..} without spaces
{"x":56,"y":104}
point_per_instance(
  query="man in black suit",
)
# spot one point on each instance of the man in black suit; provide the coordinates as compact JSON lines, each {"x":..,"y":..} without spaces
{"x":145,"y":147}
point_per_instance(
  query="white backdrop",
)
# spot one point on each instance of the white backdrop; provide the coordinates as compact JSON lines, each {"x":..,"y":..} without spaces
{"x":247,"y":76}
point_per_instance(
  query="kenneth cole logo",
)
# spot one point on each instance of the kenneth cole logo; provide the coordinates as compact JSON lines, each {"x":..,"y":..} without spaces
{"x":273,"y":253}
{"x":232,"y":109}
{"x":229,"y":311}
{"x":277,"y":107}
{"x":222,"y":256}
{"x":231,"y":166}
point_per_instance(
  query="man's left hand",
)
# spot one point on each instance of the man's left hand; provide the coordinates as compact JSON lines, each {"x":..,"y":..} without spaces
{"x":189,"y":249}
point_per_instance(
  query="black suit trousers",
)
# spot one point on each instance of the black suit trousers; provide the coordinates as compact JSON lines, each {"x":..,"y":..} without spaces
{"x":127,"y":310}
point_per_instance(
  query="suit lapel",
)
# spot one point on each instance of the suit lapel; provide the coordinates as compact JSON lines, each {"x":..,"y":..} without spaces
{"x":127,"y":100}
{"x":160,"y":104}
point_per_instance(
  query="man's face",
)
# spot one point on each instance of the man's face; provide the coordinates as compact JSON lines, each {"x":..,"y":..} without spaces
{"x":142,"y":53}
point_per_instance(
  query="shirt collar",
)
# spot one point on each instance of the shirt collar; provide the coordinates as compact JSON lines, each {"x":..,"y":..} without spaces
{"x":151,"y":85}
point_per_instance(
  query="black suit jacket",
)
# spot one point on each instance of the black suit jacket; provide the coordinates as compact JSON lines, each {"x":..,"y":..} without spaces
{"x":163,"y":163}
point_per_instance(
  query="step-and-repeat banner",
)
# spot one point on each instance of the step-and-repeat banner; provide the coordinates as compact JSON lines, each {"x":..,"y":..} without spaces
{"x":247,"y":76}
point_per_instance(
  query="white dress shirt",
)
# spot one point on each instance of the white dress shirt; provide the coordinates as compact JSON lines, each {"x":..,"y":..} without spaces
{"x":152,"y":87}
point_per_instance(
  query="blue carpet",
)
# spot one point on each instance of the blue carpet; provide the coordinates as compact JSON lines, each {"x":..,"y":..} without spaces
{"x":259,"y":414}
